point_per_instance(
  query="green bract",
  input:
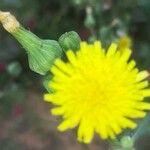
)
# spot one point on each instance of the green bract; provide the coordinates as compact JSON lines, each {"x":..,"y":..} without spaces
{"x":41,"y":53}
{"x":70,"y":40}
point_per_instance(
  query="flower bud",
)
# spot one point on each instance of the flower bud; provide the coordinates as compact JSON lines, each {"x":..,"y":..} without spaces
{"x":124,"y":42}
{"x":70,"y":40}
{"x":89,"y":21}
{"x":126,"y":142}
{"x":14,"y":69}
{"x":41,"y":53}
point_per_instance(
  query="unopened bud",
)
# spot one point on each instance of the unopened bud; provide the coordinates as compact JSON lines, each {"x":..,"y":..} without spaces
{"x":41,"y":53}
{"x":70,"y":40}
{"x":127,"y":142}
{"x":89,"y":21}
{"x":14,"y":69}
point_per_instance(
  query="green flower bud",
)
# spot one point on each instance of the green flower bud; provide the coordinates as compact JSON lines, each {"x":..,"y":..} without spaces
{"x":127,"y":142}
{"x":14,"y":69}
{"x":70,"y":40}
{"x":89,"y":21}
{"x":41,"y":53}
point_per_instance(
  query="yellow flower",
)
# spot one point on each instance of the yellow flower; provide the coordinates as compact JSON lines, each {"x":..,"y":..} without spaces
{"x":98,"y":91}
{"x":124,"y":42}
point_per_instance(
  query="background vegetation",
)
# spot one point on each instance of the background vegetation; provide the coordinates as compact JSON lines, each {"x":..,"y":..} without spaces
{"x":24,"y":117}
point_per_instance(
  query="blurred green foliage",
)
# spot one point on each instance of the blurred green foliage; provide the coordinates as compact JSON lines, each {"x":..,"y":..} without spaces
{"x":106,"y":20}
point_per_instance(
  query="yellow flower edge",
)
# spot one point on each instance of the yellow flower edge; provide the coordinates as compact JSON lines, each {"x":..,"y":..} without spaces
{"x":98,"y":91}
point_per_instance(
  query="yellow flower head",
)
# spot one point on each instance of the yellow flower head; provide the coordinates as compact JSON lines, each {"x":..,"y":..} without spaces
{"x":98,"y":91}
{"x":124,"y":42}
